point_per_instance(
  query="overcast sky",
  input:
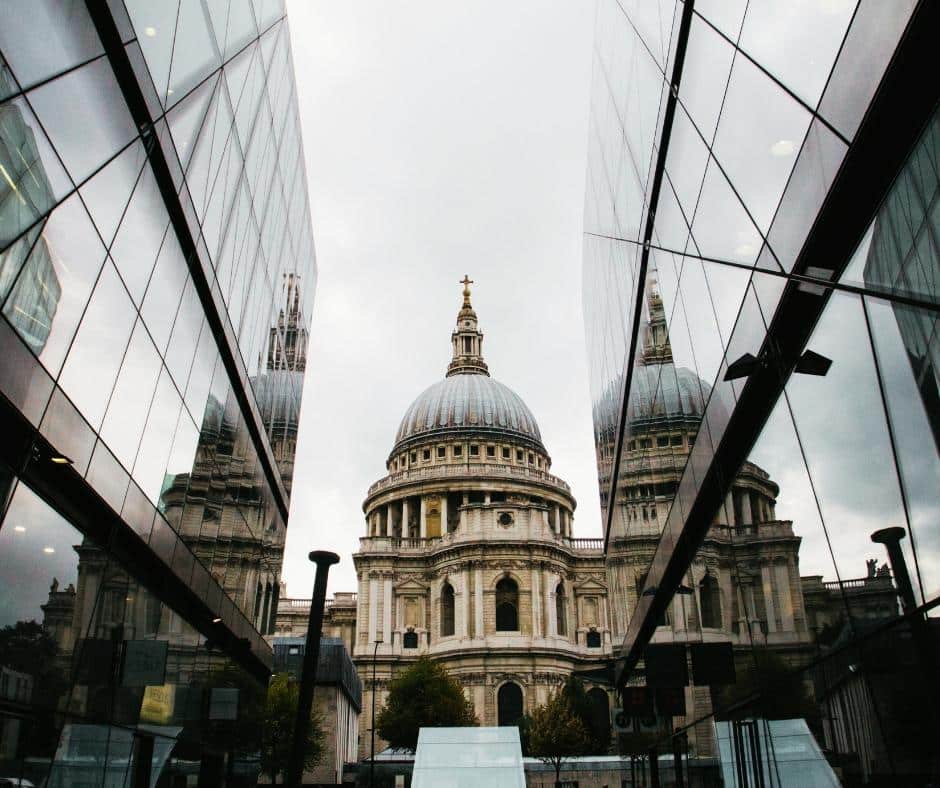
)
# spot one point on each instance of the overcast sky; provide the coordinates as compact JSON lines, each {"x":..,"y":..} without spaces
{"x":441,"y":139}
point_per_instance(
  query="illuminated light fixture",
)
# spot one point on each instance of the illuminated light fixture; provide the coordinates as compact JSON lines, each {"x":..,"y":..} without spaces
{"x":150,"y":31}
{"x":19,"y":529}
{"x":48,"y":550}
{"x":216,"y":620}
{"x":60,"y":459}
{"x":782,"y":148}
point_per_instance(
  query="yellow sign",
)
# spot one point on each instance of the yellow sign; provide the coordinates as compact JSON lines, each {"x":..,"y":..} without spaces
{"x":157,"y":705}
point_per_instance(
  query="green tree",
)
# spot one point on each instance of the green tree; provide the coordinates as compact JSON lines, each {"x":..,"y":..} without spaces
{"x":277,"y":734}
{"x":423,"y":696}
{"x":555,"y":732}
{"x":596,"y":722}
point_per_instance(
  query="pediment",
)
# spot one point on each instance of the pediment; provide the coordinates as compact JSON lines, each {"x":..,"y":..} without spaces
{"x":411,"y":585}
{"x":590,"y":585}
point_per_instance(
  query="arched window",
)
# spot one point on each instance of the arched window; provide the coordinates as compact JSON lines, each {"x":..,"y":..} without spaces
{"x":447,"y":610}
{"x":507,"y":606}
{"x":600,"y":715}
{"x":410,"y":640}
{"x":509,"y":704}
{"x":711,"y":601}
{"x":593,"y":639}
{"x":561,"y":610}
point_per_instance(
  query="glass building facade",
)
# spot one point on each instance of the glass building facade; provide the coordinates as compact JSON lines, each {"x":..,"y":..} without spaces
{"x":761,"y":305}
{"x":156,"y":282}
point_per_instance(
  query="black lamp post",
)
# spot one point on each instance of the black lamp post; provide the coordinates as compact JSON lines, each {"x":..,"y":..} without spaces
{"x":374,"y":693}
{"x":308,"y":678}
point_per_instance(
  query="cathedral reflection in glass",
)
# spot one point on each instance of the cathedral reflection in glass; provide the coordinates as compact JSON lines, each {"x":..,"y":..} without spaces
{"x":762,"y":307}
{"x":156,"y":281}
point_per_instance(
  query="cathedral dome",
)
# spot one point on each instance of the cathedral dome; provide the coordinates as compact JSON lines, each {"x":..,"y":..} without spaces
{"x":468,"y":402}
{"x":468,"y":399}
{"x":665,"y":390}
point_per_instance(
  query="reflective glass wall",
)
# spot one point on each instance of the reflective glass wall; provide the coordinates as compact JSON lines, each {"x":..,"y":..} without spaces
{"x":157,"y":275}
{"x":763,"y":346}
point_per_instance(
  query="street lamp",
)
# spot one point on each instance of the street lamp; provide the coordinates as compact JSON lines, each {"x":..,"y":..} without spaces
{"x":372,"y":758}
{"x":308,"y":677}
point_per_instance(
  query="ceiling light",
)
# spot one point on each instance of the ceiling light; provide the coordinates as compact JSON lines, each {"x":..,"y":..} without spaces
{"x":60,"y":459}
{"x":48,"y":550}
{"x":150,"y":32}
{"x":782,"y":148}
{"x":19,"y":529}
{"x":216,"y":620}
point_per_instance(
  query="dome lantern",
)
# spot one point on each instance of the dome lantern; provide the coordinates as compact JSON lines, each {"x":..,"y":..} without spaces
{"x":467,"y":339}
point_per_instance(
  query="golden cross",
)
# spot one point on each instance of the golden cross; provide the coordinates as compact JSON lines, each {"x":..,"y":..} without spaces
{"x":466,"y":282}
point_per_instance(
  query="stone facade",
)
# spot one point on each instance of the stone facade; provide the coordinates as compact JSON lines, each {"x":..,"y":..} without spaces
{"x":468,"y":554}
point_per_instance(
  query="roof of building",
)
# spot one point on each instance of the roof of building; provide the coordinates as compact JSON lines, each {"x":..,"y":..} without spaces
{"x":468,"y":398}
{"x":334,"y":666}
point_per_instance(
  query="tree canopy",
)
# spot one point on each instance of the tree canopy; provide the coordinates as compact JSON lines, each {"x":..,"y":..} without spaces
{"x":422,"y":696}
{"x":277,"y":734}
{"x":555,"y":732}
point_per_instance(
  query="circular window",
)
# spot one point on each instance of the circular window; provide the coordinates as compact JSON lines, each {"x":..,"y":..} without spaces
{"x":505,"y":518}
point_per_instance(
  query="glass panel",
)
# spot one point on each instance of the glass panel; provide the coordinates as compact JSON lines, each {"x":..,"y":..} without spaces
{"x":194,"y":48}
{"x":50,"y":294}
{"x":138,"y":239}
{"x":127,"y":412}
{"x":705,"y":72}
{"x":86,"y":117}
{"x":722,"y":228}
{"x":95,"y":356}
{"x":758,"y":149}
{"x":68,"y":37}
{"x":186,"y":119}
{"x":151,"y":463}
{"x":869,"y":45}
{"x":907,"y":347}
{"x":164,"y":292}
{"x":797,"y":41}
{"x":234,"y":24}
{"x":726,"y":15}
{"x":66,"y":430}
{"x":155,"y":24}
{"x":686,"y":161}
{"x":189,"y":319}
{"x":33,"y":179}
{"x":106,"y":194}
{"x":846,"y":447}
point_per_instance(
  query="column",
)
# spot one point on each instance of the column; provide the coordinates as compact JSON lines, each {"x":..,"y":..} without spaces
{"x":463,"y":512}
{"x":556,"y":521}
{"x":388,"y":521}
{"x":744,"y":613}
{"x":424,"y":519}
{"x":536,"y":604}
{"x":786,"y":599}
{"x":728,"y":509}
{"x":724,"y":583}
{"x":373,"y":608}
{"x":443,"y":513}
{"x":746,"y":516}
{"x":387,"y":613}
{"x":486,"y":498}
{"x":478,"y":602}
{"x":551,"y":625}
{"x":464,"y":627}
{"x":404,"y":517}
{"x":767,"y":582}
